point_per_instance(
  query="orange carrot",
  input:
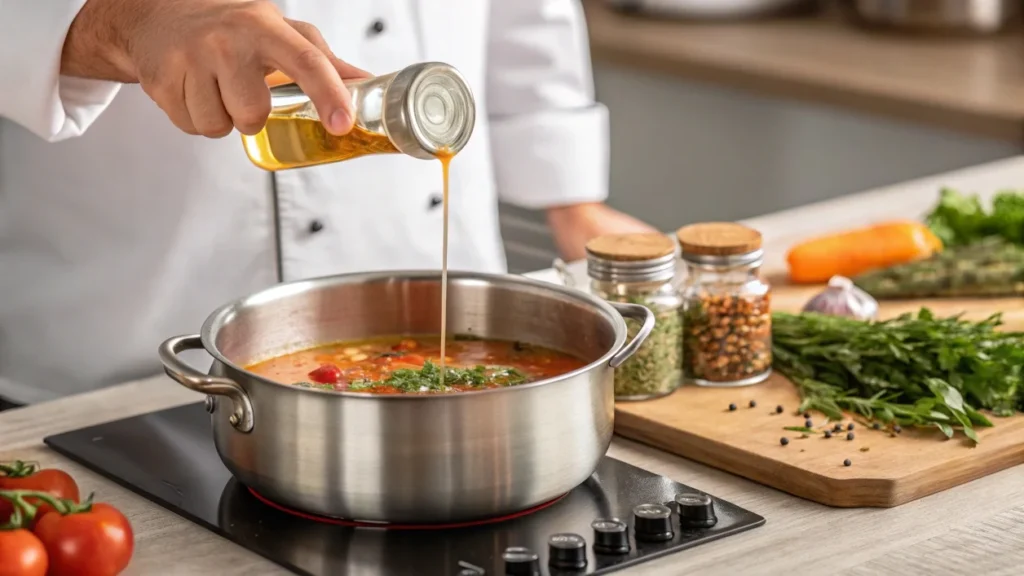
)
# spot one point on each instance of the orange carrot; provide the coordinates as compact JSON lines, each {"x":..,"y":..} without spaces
{"x":856,"y":251}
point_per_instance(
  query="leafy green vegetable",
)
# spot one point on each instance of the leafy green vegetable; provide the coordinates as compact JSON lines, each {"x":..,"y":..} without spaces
{"x":915,"y":369}
{"x":428,"y":378}
{"x":960,"y":219}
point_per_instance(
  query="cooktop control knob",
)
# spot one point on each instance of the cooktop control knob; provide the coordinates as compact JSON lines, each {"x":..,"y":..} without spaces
{"x":652,"y":522}
{"x":611,"y":536}
{"x":567,"y":551}
{"x":520,"y":561}
{"x":696,"y":510}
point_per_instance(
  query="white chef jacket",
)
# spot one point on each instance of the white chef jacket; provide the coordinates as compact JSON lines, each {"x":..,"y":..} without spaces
{"x":118,"y":231}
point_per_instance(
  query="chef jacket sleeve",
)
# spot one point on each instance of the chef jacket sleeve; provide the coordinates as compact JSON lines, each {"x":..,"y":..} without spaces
{"x":549,"y":138}
{"x":32,"y":91}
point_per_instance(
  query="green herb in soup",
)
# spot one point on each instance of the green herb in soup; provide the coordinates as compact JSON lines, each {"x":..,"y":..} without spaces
{"x":428,"y":379}
{"x":403,"y":365}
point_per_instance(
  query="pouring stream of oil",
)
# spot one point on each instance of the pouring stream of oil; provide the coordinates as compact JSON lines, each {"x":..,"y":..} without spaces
{"x":445,"y":156}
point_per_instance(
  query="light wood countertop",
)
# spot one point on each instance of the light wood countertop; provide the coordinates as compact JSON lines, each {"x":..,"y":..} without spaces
{"x":973,"y":85}
{"x":974,"y":528}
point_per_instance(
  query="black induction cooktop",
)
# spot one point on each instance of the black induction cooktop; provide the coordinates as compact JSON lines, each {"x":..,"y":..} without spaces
{"x":620,"y":517}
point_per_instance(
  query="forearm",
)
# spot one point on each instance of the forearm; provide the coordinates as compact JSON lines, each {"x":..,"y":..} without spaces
{"x":96,"y":45}
{"x":33,"y":91}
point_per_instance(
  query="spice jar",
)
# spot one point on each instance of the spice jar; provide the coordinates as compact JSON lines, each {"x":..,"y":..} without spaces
{"x":425,"y":110}
{"x":727,"y":330}
{"x":640,"y":269}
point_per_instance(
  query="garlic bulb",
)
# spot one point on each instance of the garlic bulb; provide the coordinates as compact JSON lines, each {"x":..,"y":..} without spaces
{"x":842,"y":298}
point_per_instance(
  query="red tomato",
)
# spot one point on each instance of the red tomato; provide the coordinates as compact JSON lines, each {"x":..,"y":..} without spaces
{"x":20,"y":476}
{"x":405,"y":346}
{"x":21,"y":554}
{"x":326,"y":374}
{"x":94,"y":543}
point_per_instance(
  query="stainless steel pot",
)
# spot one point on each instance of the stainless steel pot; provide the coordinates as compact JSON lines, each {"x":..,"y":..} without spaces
{"x":410,"y":458}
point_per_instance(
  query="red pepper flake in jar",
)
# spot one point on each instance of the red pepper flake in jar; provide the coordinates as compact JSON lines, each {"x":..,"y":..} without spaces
{"x":727,"y":333}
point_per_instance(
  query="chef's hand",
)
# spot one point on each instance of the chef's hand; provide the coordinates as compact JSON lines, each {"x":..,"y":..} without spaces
{"x":575,"y":225}
{"x":204,"y":62}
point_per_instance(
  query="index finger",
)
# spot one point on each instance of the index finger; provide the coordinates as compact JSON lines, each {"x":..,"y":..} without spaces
{"x":288,"y":51}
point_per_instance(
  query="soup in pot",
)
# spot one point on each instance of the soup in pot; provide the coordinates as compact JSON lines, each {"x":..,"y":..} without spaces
{"x":400,"y":365}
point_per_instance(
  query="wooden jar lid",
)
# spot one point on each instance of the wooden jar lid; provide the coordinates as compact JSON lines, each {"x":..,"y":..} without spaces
{"x":718,"y":239}
{"x":631,"y":247}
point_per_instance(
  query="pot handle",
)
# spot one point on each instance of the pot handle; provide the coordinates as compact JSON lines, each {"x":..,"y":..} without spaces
{"x":241,"y":416}
{"x":636,"y":312}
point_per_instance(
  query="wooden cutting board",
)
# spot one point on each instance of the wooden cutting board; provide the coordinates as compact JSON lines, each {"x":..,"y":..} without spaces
{"x":886,"y":470}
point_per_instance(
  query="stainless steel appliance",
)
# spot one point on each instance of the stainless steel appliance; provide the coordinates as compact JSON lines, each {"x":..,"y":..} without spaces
{"x":615,"y":519}
{"x":410,"y":457}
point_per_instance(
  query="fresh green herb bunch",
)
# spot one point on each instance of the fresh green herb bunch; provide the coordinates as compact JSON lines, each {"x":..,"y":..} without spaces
{"x":428,"y":378}
{"x":960,"y":219}
{"x":915,"y":369}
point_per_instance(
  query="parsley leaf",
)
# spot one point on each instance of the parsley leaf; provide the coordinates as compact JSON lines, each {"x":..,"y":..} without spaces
{"x":428,"y":378}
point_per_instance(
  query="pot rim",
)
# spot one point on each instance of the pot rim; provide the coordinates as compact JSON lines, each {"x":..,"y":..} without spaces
{"x":220,"y":316}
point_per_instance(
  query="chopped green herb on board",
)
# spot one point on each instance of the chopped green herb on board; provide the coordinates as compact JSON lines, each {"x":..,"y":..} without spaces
{"x":915,"y":369}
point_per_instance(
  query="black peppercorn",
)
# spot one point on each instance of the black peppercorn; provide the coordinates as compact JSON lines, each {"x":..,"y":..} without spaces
{"x":828,"y":433}
{"x":876,"y":426}
{"x":778,"y":409}
{"x":753,"y":403}
{"x":847,"y":462}
{"x":807,"y":414}
{"x":897,"y":429}
{"x":850,"y":427}
{"x":732,"y":407}
{"x":808,"y":423}
{"x":837,"y":428}
{"x":849,"y":435}
{"x":784,"y":441}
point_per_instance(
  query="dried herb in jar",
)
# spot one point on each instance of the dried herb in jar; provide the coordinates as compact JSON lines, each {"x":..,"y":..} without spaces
{"x":640,"y":269}
{"x":656,"y":367}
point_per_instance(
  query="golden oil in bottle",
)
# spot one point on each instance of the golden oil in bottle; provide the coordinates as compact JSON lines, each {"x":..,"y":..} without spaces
{"x":289,"y":142}
{"x":424,"y":111}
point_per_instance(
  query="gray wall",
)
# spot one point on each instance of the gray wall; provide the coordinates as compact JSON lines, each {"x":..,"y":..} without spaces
{"x":684,"y":152}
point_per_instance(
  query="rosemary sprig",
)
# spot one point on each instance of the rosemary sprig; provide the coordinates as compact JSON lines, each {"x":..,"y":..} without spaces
{"x":913,"y":370}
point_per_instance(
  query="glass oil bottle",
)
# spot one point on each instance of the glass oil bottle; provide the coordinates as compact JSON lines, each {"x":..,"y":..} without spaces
{"x":426,"y":111}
